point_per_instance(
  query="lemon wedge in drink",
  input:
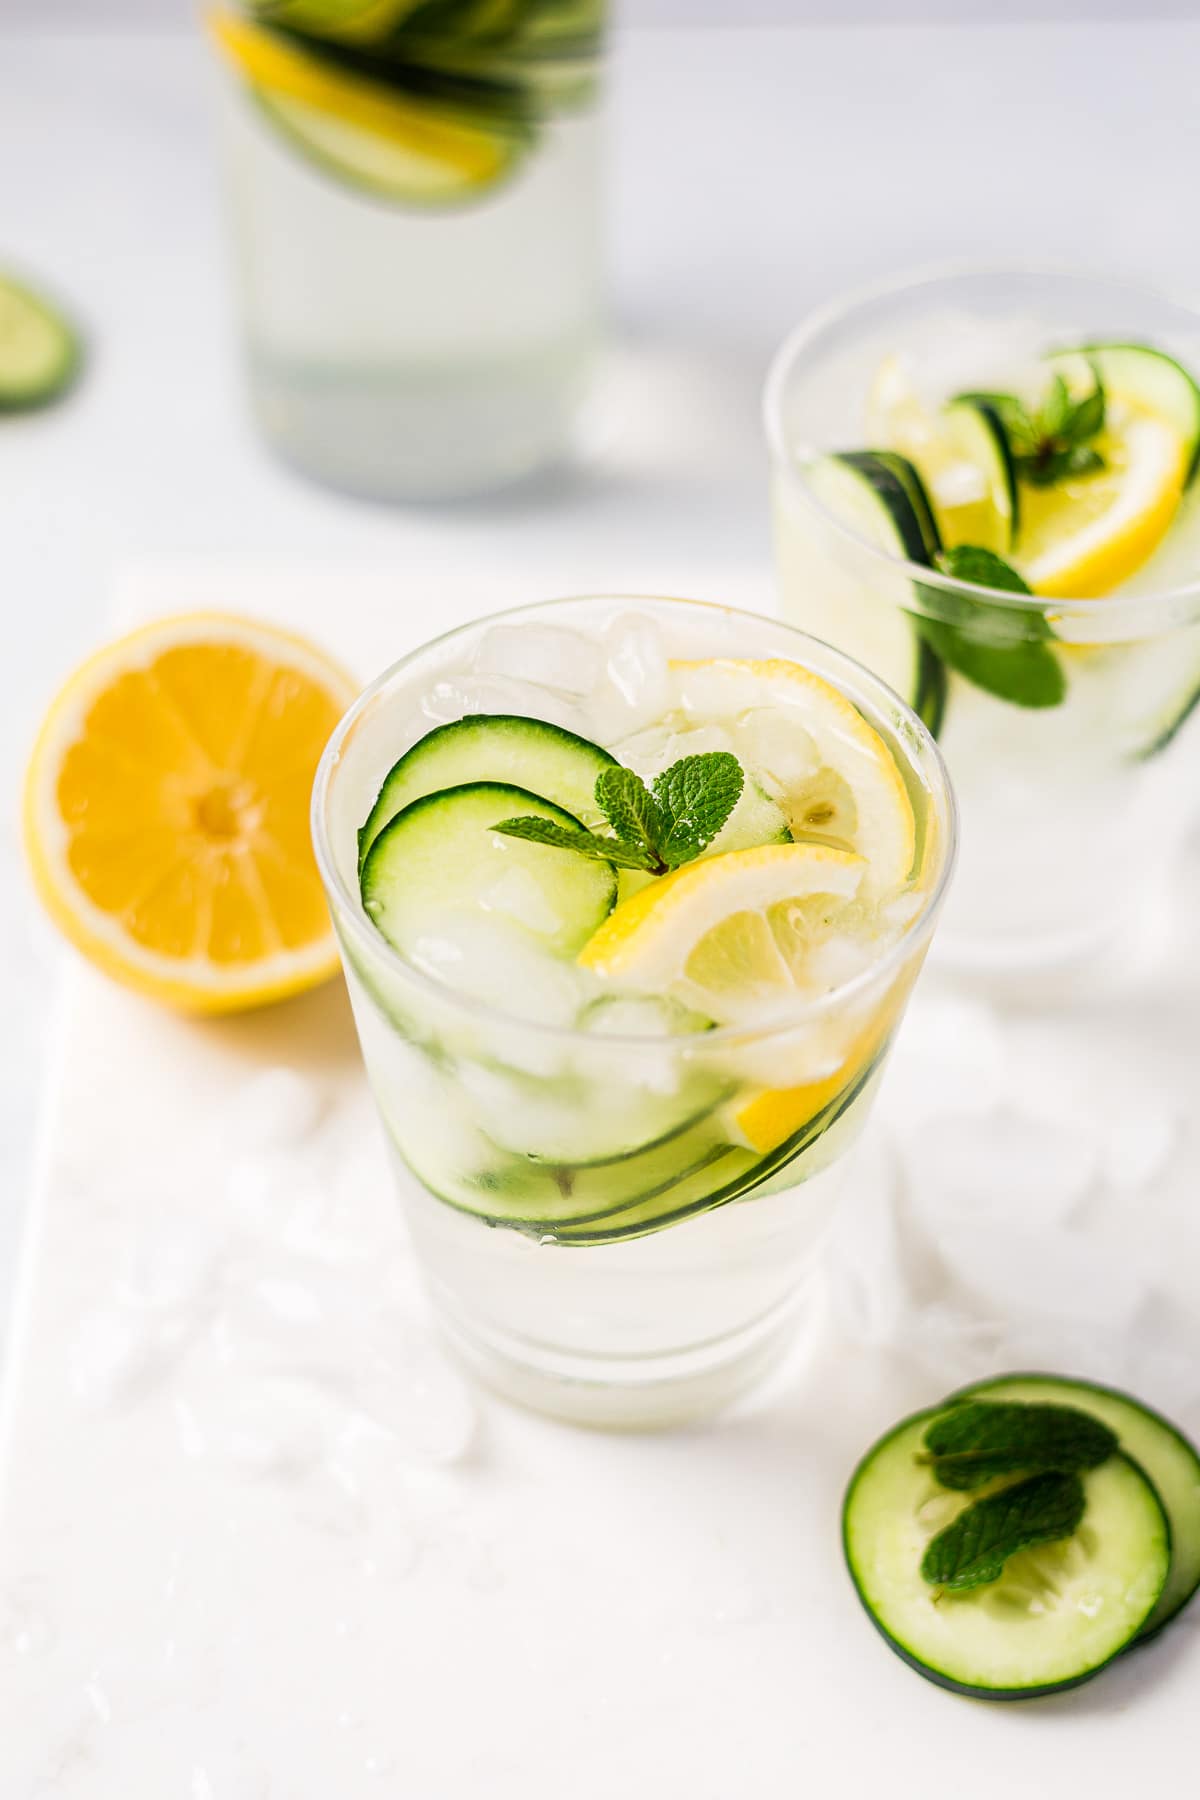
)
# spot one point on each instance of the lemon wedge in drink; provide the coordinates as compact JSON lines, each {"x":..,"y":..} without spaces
{"x":831,"y":773}
{"x":366,"y":132}
{"x":1083,"y":537}
{"x":166,"y":811}
{"x":736,"y":934}
{"x":744,"y":936}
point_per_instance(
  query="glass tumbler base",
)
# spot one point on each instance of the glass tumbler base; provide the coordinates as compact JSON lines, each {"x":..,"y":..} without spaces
{"x":613,"y":1393}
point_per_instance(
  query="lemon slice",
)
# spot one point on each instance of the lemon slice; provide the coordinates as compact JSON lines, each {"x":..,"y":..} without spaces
{"x":1084,"y":537}
{"x":733,"y":934}
{"x":960,"y":452}
{"x":166,"y":811}
{"x":366,"y":133}
{"x":830,"y":773}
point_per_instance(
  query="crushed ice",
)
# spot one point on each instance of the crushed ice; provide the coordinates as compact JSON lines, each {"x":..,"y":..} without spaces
{"x":284,"y":1322}
{"x":999,"y":1210}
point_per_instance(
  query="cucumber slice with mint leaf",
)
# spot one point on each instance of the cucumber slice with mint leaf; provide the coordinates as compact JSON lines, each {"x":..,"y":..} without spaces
{"x":1025,"y":1588}
{"x":40,"y":351}
{"x":1170,"y":1460}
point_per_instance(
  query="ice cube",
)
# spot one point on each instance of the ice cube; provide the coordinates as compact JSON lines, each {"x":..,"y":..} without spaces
{"x":350,"y":1218}
{"x":773,"y":745}
{"x":117,"y":1354}
{"x":25,"y":1623}
{"x":172,"y":1265}
{"x":502,"y":967}
{"x":1137,"y":1146}
{"x":266,"y":1189}
{"x":519,"y":895}
{"x":408,"y":1387}
{"x":1045,"y":1273}
{"x":470,"y":694}
{"x":276,"y":1108}
{"x":565,"y":661}
{"x":635,"y":686}
{"x":996,"y":1167}
{"x":270,"y":1426}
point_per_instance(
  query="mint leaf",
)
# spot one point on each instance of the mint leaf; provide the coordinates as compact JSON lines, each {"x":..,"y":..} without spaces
{"x":974,"y":1548}
{"x":696,"y":796}
{"x":1051,"y":443}
{"x":979,"y":1440}
{"x":630,"y":807}
{"x":655,"y":830}
{"x":1087,"y":416}
{"x":1000,"y":649}
{"x":565,"y":837}
{"x":971,"y":562}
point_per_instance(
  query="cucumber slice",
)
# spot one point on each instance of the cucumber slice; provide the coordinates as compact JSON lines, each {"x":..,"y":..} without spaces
{"x":1057,"y":1614}
{"x":880,"y":496}
{"x":1172,"y":721}
{"x":527,"y":753}
{"x":1151,"y":376}
{"x":540,"y":1198}
{"x":975,"y":432}
{"x":689,"y":1171}
{"x":439,"y":857}
{"x":39,"y":351}
{"x":1171,"y":1462}
{"x":736,"y":1175}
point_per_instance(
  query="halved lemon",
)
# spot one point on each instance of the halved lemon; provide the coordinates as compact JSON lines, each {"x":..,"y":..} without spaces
{"x":831,"y":773}
{"x":1082,"y":538}
{"x":166,"y":810}
{"x":366,"y":133}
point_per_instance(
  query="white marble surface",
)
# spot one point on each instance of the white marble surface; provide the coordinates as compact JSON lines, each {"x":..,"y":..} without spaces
{"x":259,"y":1541}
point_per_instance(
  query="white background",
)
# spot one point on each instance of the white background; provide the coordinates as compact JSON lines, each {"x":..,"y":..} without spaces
{"x":46,"y":14}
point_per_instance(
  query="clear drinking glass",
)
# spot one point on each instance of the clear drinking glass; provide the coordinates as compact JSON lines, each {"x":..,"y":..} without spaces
{"x":1071,"y":815}
{"x":416,"y":221}
{"x":598,"y":1237}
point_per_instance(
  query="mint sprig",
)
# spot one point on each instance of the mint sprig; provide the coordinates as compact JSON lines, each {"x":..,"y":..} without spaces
{"x":656,"y":828}
{"x":998,"y":648}
{"x":1051,"y":442}
{"x":973,"y":1549}
{"x":979,"y":1440}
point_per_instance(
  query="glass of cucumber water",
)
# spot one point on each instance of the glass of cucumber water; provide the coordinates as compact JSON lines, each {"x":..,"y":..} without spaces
{"x":984,"y":488}
{"x":631,"y":894}
{"x":414,"y":190}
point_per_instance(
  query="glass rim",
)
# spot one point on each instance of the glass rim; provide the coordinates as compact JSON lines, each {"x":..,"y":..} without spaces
{"x":1162,"y":604}
{"x":376,"y":947}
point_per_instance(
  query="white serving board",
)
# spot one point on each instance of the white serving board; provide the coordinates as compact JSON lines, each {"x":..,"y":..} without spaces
{"x":551,"y":1614}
